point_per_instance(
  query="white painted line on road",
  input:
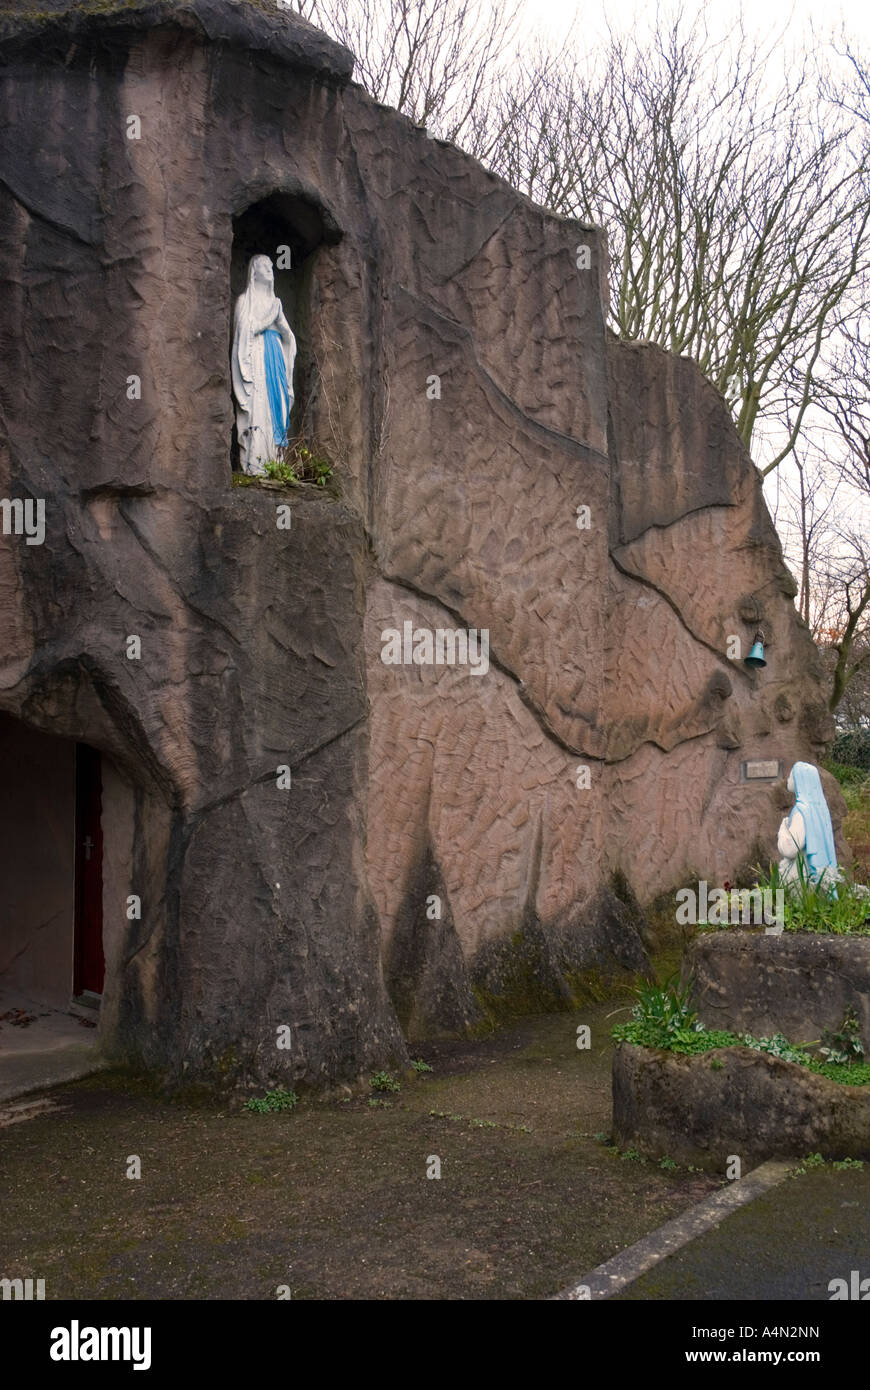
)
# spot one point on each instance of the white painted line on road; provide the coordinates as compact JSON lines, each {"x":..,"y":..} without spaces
{"x":615,"y":1274}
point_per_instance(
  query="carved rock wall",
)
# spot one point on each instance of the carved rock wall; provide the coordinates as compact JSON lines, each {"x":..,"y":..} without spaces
{"x":262,"y":647}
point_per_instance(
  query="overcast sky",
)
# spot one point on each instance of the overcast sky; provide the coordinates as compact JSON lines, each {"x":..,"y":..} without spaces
{"x":794,"y":18}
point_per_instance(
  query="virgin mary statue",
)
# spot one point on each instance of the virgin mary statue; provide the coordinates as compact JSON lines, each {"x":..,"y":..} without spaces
{"x":806,"y":833}
{"x":264,"y":351}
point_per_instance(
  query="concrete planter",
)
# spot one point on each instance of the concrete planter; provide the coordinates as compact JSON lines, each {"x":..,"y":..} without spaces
{"x":753,"y":1105}
{"x":797,"y":984}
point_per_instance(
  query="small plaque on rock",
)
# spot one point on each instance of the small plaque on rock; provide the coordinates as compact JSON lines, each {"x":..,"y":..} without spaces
{"x":762,"y":770}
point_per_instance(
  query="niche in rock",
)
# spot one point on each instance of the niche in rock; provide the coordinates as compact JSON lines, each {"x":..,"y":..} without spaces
{"x":289,"y":228}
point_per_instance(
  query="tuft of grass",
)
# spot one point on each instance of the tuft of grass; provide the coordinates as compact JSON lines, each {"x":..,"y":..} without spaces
{"x":814,"y":1161}
{"x":838,"y":908}
{"x":273,"y":1100}
{"x":383,"y":1081}
{"x":296,"y":463}
{"x":277,"y":471}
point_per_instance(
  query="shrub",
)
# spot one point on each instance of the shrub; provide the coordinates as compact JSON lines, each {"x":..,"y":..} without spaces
{"x":853,"y":748}
{"x":846,"y":773}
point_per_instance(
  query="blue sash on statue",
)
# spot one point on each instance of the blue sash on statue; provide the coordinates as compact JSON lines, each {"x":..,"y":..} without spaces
{"x":277,"y":386}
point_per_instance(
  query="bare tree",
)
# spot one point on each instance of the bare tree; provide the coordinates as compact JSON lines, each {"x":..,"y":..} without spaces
{"x":842,"y":617}
{"x":737,"y":205}
{"x":434,"y":60}
{"x":810,"y":507}
{"x":845,"y":397}
{"x":815,"y":513}
{"x":738,"y":217}
{"x":845,"y":400}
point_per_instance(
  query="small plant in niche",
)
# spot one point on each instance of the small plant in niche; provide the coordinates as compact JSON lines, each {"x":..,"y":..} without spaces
{"x":295,"y":463}
{"x":278,"y":472}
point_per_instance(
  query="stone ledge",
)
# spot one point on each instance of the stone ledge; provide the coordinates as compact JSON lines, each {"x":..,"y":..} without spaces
{"x":754,"y":1106}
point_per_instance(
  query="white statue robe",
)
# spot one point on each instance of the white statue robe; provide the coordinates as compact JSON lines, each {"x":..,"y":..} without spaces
{"x":790,"y":841}
{"x":254,"y":314}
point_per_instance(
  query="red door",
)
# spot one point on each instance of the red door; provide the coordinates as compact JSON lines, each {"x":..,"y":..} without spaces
{"x":89,"y":964}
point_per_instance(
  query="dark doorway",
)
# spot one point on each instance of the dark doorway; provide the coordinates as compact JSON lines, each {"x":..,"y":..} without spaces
{"x":37,"y":865}
{"x":88,"y":961}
